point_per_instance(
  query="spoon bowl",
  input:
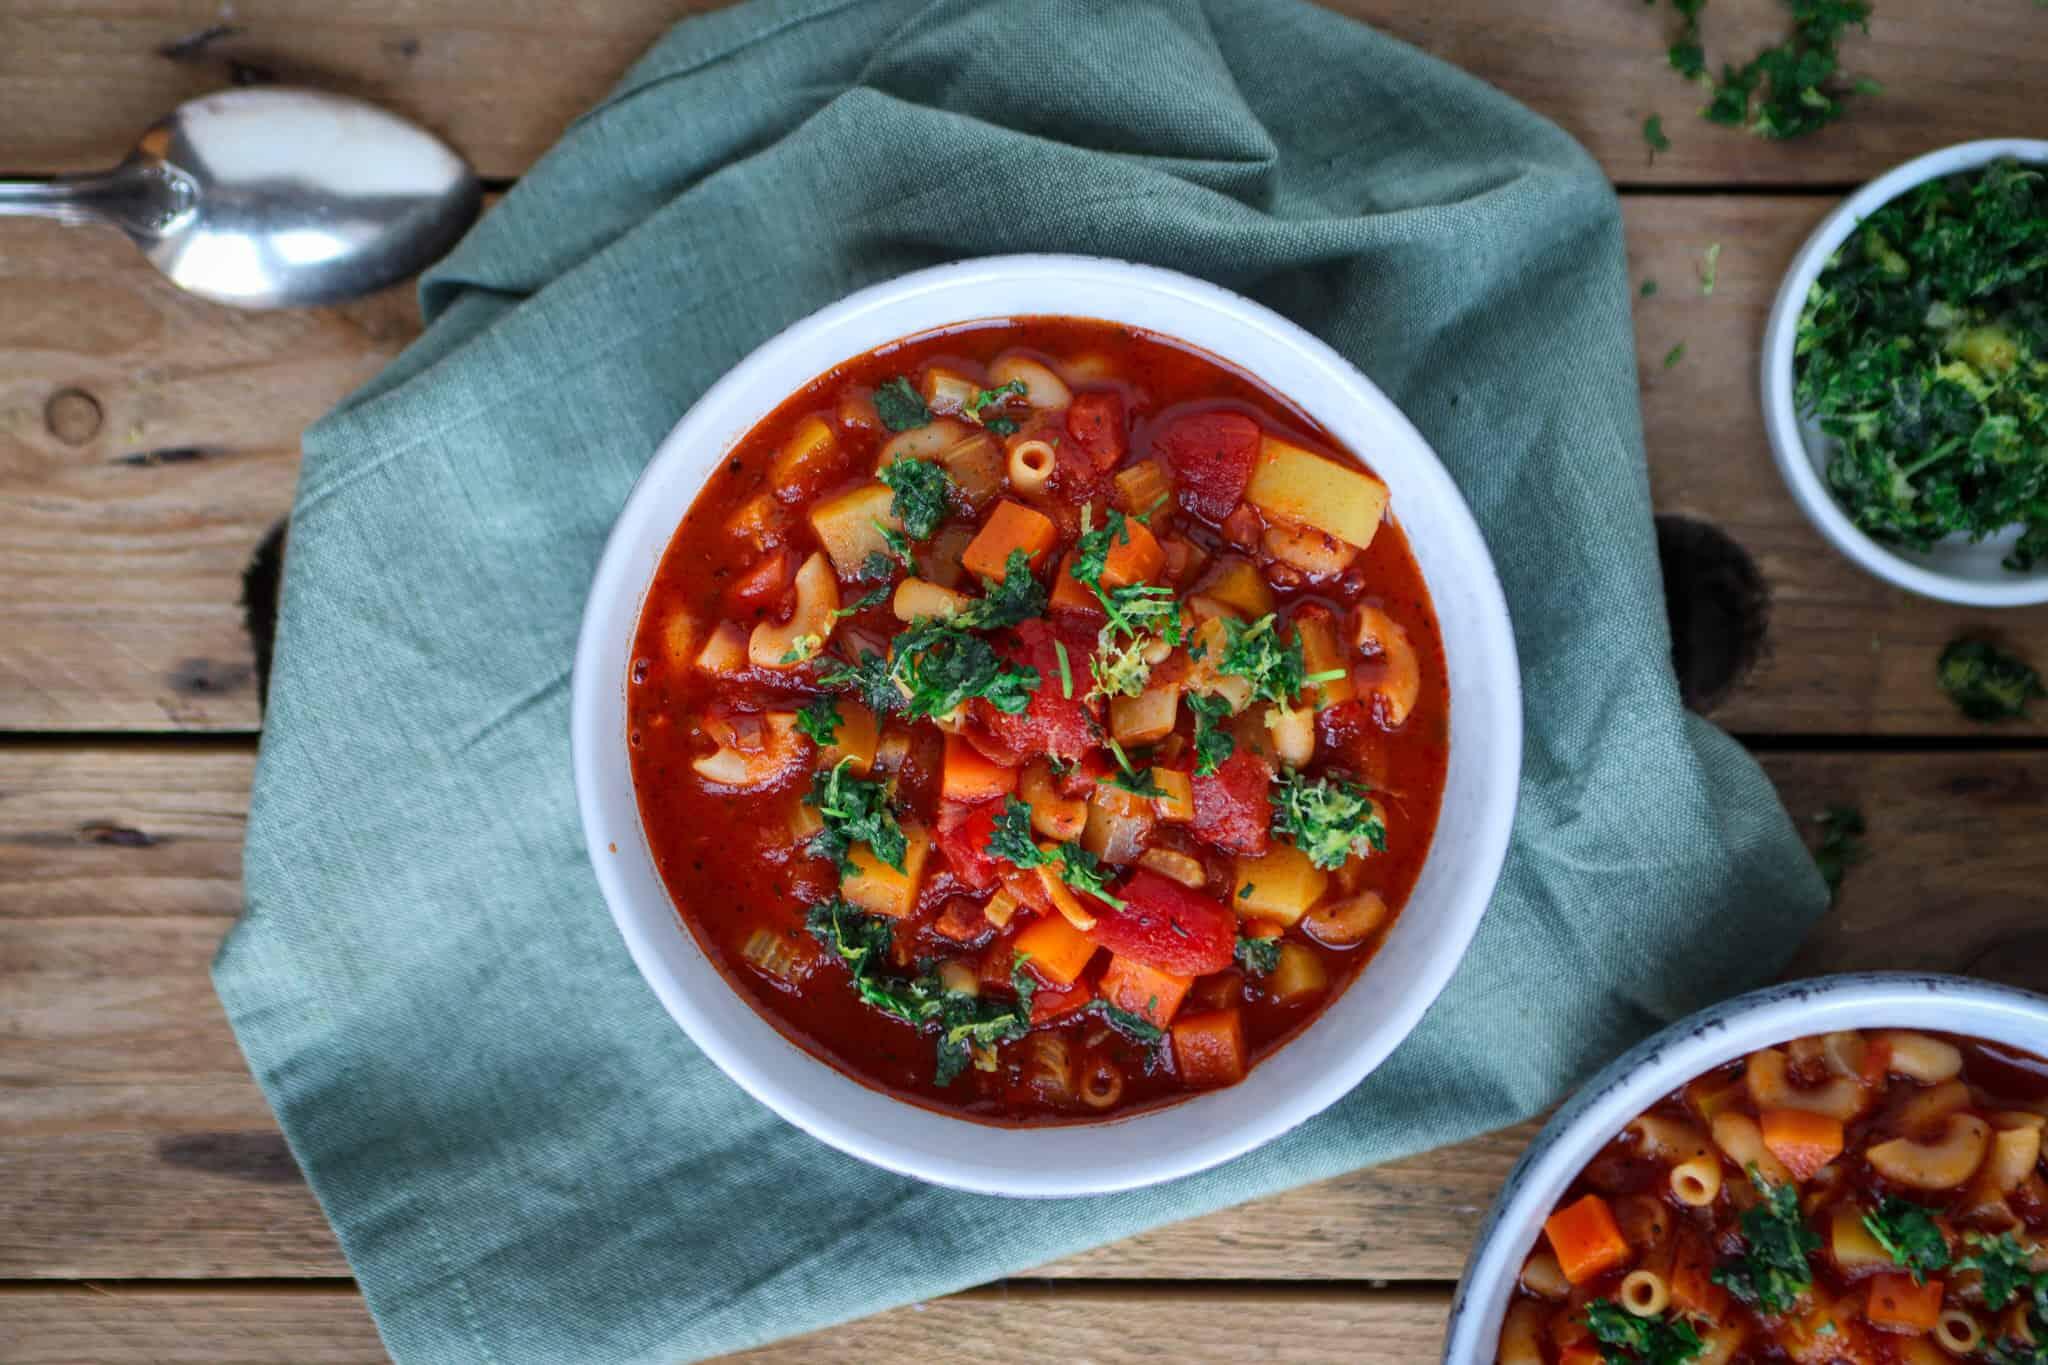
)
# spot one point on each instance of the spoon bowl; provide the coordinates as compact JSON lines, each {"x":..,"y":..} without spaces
{"x":275,"y":197}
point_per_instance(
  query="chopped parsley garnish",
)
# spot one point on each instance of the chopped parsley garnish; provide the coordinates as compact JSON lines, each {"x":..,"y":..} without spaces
{"x":1135,"y":1027}
{"x":899,"y":547}
{"x":1785,"y":91}
{"x":1327,"y":818}
{"x":1841,"y":843}
{"x":870,"y":679}
{"x":1135,"y":614}
{"x":855,"y":811}
{"x":1772,"y":1272}
{"x":1923,"y":353}
{"x":1082,"y":870}
{"x":1653,"y":134}
{"x":1985,"y":682}
{"x":876,"y":565}
{"x":802,"y":648}
{"x":819,"y":719}
{"x":1271,"y":665}
{"x":1710,"y":269}
{"x":1012,"y":842}
{"x":1909,"y":1235}
{"x":1626,"y":1339}
{"x":1136,"y":781}
{"x":1213,"y":743}
{"x":899,"y":405}
{"x":1019,"y":597}
{"x":920,"y":502}
{"x":874,"y":597}
{"x":1119,"y":669}
{"x":2005,"y":1265}
{"x":939,"y":665}
{"x":1002,"y":426}
{"x":1259,"y":956}
{"x":1059,"y":648}
{"x":1246,"y":894}
{"x":998,"y":395}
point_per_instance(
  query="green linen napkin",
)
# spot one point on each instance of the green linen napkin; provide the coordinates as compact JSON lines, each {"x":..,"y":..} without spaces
{"x":524,"y":1158}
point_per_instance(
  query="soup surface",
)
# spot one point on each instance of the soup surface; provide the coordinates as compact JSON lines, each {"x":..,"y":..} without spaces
{"x":1038,"y":720}
{"x":1871,"y":1198}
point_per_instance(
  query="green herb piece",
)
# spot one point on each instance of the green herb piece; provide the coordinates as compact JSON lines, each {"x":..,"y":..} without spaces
{"x":1092,"y":546}
{"x":1257,"y":654}
{"x":855,"y":811}
{"x":1135,"y":1027}
{"x":1327,"y":818}
{"x":1653,"y":133}
{"x":1909,"y":1235}
{"x":1259,"y":956}
{"x":1023,"y":982}
{"x":1002,"y":393}
{"x":876,"y":565}
{"x":1772,"y":1272}
{"x":1841,"y":844}
{"x":1136,"y":781}
{"x":819,"y":719}
{"x":2005,"y":1265}
{"x":1012,"y":842}
{"x":1213,"y":743}
{"x":1119,"y":669}
{"x":1688,"y":56}
{"x":1986,"y":683}
{"x":802,"y":648}
{"x":899,"y":548}
{"x":1246,"y":894}
{"x":938,"y":665}
{"x":1001,"y":426}
{"x":873,"y":598}
{"x":1626,"y":1339}
{"x":900,"y":406}
{"x":1082,"y":870}
{"x":1649,"y":289}
{"x":1019,"y":597}
{"x":920,"y":502}
{"x":870,"y":679}
{"x":1785,"y":91}
{"x":1922,"y":353}
{"x":1674,"y":355}
{"x":1710,"y":269}
{"x":1066,"y":670}
{"x":970,"y":1028}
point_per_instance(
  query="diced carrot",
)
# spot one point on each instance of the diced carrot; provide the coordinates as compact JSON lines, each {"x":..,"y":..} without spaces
{"x":1176,"y":804}
{"x":1803,"y":1140}
{"x":1208,"y":1048}
{"x":969,"y":776}
{"x":1050,"y":1002}
{"x":1011,"y":526}
{"x":1585,"y":1239}
{"x":1899,"y":1305}
{"x":1057,"y":951}
{"x":1141,"y":990}
{"x":1068,"y":592}
{"x":1137,"y":560}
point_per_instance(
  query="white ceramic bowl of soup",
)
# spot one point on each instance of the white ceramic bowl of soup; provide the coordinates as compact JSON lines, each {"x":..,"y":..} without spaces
{"x":1355,"y":1032}
{"x":1599,"y":1110}
{"x":1956,"y":569}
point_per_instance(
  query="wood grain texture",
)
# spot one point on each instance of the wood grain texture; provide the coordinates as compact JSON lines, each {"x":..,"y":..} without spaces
{"x":502,"y":78}
{"x":119,"y":581}
{"x":1008,"y":1324}
{"x":133,"y":1143}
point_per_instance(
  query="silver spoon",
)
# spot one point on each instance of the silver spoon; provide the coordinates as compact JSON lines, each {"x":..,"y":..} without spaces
{"x":274,"y":198}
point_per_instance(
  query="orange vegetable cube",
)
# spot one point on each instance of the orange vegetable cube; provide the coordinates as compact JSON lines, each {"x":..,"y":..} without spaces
{"x":1057,"y":951}
{"x":1177,"y":806}
{"x":1137,"y":560}
{"x":1069,"y":593}
{"x":880,"y":889}
{"x":1011,"y":526}
{"x":1803,"y":1140}
{"x":1585,"y":1240}
{"x":1144,"y":991}
{"x":1208,"y":1048}
{"x":970,"y":776}
{"x":1581,"y":1355}
{"x":854,"y":737}
{"x":1897,"y":1304}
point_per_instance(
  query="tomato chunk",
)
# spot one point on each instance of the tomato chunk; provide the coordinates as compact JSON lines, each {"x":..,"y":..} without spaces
{"x":1054,"y":723}
{"x":1210,"y":456}
{"x":1052,"y":1001}
{"x":1095,"y":426}
{"x":964,"y":837}
{"x":1166,"y":926}
{"x":1232,"y":810}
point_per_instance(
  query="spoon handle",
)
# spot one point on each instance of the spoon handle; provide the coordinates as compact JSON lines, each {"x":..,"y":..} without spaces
{"x":138,"y":198}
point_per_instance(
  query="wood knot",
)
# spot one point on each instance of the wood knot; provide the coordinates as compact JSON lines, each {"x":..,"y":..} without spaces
{"x":73,"y":416}
{"x":1718,"y":606}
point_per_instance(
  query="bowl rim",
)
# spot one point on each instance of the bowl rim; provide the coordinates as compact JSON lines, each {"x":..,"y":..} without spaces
{"x":903,"y":1139}
{"x":1796,"y":464}
{"x":1674,"y":1055}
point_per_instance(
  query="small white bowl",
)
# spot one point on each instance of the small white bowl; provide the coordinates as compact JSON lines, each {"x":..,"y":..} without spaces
{"x":1356,"y":1032}
{"x":1955,"y":570}
{"x":1690,"y":1047}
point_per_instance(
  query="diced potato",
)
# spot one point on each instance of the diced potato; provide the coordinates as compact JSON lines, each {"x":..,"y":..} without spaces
{"x":959,"y":977}
{"x":1001,"y":908}
{"x":1280,"y":885}
{"x":946,"y":390}
{"x":880,"y":889}
{"x":1200,"y":608}
{"x":1011,"y":526}
{"x":725,"y":650}
{"x":1293,"y":484}
{"x":916,"y":600}
{"x":1321,"y":653}
{"x":1147,"y":717}
{"x":1299,"y":975}
{"x":846,"y":526}
{"x":679,"y":635}
{"x":1119,"y":825}
{"x":1237,"y":583}
{"x":1178,"y":805}
{"x":855,"y":737}
{"x":805,"y":456}
{"x":1294,"y":733}
{"x":976,"y":466}
{"x":1142,"y":486}
{"x":1055,"y":949}
{"x":1851,"y":1244}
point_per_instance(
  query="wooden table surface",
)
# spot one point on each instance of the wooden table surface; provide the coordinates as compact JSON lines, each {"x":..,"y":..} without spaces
{"x":148,"y":442}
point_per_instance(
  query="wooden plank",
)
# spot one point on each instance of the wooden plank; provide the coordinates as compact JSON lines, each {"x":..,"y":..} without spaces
{"x":502,"y":78}
{"x":119,"y":1325}
{"x":148,"y":439}
{"x":134,"y":1144}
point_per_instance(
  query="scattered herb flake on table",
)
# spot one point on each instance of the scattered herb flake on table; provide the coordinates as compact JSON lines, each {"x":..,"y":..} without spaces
{"x":1785,"y":91}
{"x":1923,"y":353}
{"x":1985,"y":682}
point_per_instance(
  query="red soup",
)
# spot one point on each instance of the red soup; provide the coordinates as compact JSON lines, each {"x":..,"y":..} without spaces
{"x":1039,"y":720}
{"x":1871,"y":1197}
